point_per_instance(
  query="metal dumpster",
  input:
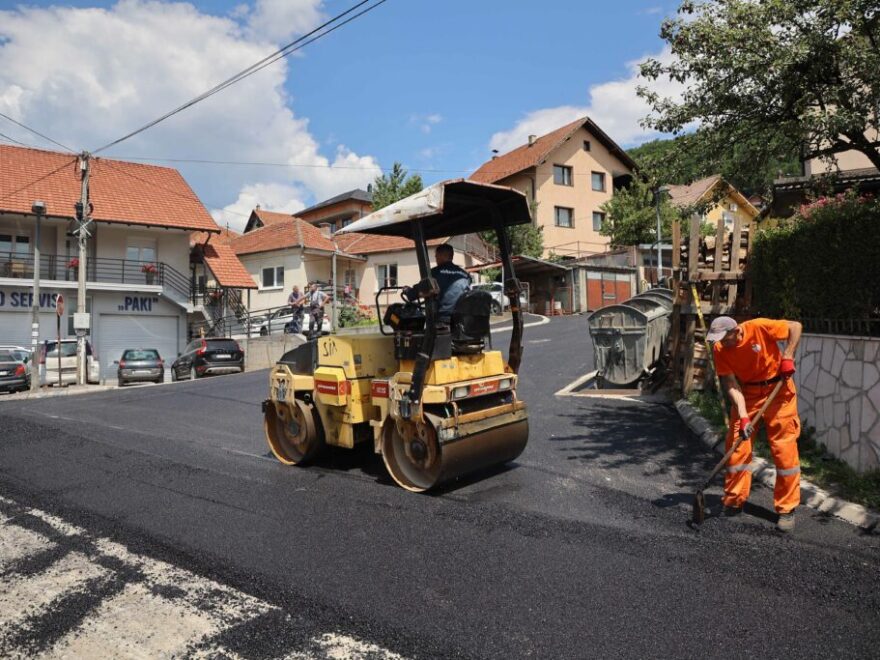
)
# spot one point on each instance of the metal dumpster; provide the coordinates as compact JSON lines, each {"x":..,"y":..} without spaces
{"x":629,"y":338}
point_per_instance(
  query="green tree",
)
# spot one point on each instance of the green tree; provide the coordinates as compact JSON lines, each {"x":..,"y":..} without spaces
{"x":678,"y":161}
{"x":394,"y":186}
{"x":631,"y":215}
{"x":527,"y":239}
{"x":764,"y":80}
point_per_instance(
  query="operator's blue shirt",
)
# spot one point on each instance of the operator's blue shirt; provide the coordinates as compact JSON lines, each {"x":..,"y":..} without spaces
{"x":453,"y":281}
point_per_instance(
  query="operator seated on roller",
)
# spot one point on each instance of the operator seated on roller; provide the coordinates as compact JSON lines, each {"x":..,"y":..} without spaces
{"x":452,"y":279}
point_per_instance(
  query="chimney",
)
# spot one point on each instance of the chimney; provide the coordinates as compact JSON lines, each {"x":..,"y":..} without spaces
{"x":325,"y":229}
{"x":494,"y":154}
{"x":257,"y":207}
{"x":532,"y":139}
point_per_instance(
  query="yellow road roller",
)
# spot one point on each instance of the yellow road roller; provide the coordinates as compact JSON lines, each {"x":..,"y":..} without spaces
{"x":432,"y":395}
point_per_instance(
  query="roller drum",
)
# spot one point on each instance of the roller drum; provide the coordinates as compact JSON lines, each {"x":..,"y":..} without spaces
{"x":293,"y":431}
{"x":417,"y":461}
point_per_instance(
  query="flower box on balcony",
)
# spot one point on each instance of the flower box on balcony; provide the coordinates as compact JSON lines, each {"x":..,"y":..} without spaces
{"x":149,"y":271}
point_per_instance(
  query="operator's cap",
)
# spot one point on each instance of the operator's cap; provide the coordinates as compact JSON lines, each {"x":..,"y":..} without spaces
{"x":720,"y":327}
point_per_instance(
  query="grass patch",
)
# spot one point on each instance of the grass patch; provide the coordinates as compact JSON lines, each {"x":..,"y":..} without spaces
{"x":817,"y":465}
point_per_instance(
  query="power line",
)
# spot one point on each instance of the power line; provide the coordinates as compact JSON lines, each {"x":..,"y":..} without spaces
{"x":28,"y":128}
{"x":45,"y":176}
{"x":11,"y":139}
{"x":290,"y":48}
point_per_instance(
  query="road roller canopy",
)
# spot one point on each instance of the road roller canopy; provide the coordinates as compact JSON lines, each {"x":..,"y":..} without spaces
{"x":448,"y":208}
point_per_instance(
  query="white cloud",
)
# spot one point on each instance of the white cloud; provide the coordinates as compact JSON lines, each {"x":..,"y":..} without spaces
{"x":279,"y":20}
{"x":425,"y":122}
{"x":650,"y":11}
{"x":613,"y":105}
{"x":276,"y":197}
{"x":145,"y":57}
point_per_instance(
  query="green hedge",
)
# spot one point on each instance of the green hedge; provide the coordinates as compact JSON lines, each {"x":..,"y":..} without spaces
{"x":822,"y":263}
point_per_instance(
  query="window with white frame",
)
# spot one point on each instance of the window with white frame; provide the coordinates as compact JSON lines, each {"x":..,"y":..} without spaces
{"x":562,"y":175}
{"x":273,"y":277}
{"x":564,"y":217}
{"x":386,"y":275}
{"x":598,"y":219}
{"x":349,"y":277}
{"x":14,"y":245}
{"x":598,"y":179}
{"x":141,"y":249}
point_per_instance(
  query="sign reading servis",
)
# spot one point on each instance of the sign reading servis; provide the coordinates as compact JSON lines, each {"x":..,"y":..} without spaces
{"x":25,"y":299}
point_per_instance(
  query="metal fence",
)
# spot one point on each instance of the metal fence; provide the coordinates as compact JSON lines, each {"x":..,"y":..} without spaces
{"x":850,"y":327}
{"x":98,"y":269}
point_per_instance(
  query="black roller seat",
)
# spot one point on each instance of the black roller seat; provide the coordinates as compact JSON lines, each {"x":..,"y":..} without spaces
{"x":469,"y":325}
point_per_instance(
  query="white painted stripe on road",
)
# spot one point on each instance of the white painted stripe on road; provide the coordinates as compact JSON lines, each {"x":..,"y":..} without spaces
{"x":152,"y":608}
{"x":544,"y":321}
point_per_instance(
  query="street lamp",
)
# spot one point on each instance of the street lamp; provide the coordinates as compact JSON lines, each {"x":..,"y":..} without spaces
{"x":659,"y":200}
{"x":39,"y":209}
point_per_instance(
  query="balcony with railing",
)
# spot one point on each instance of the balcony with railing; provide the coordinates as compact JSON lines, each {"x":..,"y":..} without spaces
{"x":58,"y":270}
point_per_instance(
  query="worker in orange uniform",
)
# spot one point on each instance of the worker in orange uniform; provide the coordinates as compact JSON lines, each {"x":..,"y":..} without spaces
{"x":750,"y":363}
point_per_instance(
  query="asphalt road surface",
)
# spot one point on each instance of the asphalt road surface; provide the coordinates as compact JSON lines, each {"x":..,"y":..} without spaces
{"x":578,"y":549}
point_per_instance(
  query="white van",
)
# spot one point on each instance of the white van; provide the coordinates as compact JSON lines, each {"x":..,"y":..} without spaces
{"x":49,"y":363}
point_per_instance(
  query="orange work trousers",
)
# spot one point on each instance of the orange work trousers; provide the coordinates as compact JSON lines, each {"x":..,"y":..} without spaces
{"x":783,"y":429}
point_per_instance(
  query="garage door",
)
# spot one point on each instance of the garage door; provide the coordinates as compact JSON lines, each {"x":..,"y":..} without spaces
{"x":117,"y":332}
{"x":15,"y":328}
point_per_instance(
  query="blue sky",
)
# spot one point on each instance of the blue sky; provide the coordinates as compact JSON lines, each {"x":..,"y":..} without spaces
{"x":425,"y":83}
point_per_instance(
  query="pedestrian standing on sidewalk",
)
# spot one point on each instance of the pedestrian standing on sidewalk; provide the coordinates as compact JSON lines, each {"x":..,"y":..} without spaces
{"x":297,"y":301}
{"x":317,"y":300}
{"x":749,"y":363}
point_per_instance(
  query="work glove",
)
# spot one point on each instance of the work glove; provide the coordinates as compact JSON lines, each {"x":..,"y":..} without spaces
{"x":786,"y":368}
{"x":745,"y":428}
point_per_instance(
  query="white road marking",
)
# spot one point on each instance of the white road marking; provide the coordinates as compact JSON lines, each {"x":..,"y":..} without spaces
{"x":544,"y":321}
{"x":150,"y":608}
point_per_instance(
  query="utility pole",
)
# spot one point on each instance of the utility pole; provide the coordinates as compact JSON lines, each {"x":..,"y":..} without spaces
{"x":660,"y":191}
{"x":39,"y":208}
{"x":81,"y":327}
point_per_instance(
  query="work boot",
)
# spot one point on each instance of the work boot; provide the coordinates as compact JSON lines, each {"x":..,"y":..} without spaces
{"x":785,"y":522}
{"x":731,"y":511}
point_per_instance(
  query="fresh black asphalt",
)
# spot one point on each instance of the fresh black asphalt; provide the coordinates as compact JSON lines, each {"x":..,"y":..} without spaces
{"x":579,"y":549}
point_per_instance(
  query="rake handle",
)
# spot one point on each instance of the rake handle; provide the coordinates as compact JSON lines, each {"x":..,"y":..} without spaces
{"x":740,"y":440}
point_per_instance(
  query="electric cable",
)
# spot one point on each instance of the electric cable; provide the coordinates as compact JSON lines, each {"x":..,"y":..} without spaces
{"x":12,"y":139}
{"x":37,"y":133}
{"x":292,"y":47}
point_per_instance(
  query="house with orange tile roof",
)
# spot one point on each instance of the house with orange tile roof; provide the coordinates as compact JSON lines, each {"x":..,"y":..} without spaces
{"x":279,"y":255}
{"x":716,"y":200}
{"x":567,"y":175}
{"x":138,"y":267}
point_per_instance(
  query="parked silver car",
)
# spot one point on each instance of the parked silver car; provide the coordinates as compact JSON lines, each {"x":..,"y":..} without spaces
{"x":140,"y":365}
{"x":500,"y":301}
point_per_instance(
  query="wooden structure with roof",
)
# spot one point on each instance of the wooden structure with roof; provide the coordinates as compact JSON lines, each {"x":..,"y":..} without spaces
{"x":715,"y":266}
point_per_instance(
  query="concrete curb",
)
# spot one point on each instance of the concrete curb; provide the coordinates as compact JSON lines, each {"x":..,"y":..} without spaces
{"x":811,"y":495}
{"x":68,"y":390}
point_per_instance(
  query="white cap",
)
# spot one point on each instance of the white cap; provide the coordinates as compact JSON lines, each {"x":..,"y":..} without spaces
{"x":720,"y":327}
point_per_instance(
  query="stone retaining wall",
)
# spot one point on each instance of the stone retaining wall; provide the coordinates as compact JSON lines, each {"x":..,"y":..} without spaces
{"x":838,"y":381}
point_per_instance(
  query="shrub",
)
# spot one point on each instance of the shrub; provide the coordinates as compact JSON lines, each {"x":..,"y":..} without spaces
{"x":822,"y":263}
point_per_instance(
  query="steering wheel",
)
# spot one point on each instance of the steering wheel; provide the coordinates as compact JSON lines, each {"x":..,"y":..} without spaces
{"x":414,"y":300}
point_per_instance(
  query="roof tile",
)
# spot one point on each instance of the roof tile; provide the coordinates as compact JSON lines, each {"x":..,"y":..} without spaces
{"x":531,"y":155}
{"x":227,"y":268}
{"x":291,"y":233}
{"x":123,"y":192}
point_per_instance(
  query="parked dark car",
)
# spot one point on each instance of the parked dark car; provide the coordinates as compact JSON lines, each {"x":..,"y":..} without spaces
{"x":14,"y":374}
{"x":202,"y":357}
{"x":138,"y":365}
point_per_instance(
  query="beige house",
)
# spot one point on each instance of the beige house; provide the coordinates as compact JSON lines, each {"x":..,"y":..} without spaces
{"x":849,"y":169}
{"x":567,"y":175}
{"x":723,"y":201}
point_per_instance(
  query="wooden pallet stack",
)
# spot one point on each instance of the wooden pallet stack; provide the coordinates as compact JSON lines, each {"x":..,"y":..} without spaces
{"x":716,"y":265}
